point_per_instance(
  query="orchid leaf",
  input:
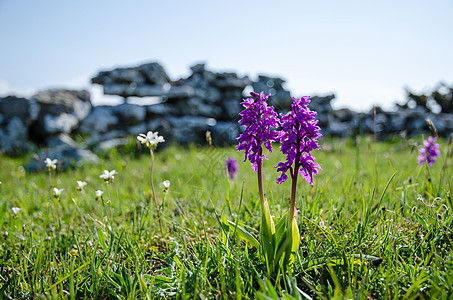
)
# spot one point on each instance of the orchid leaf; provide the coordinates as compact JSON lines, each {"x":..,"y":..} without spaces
{"x":242,"y":233}
{"x":267,"y":236}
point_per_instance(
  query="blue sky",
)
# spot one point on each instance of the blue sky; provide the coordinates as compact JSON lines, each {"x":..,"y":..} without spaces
{"x":366,"y":52}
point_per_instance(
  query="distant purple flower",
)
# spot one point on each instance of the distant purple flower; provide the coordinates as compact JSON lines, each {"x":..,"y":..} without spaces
{"x":232,"y":167}
{"x":258,"y":118}
{"x":429,"y":152}
{"x":299,"y":137}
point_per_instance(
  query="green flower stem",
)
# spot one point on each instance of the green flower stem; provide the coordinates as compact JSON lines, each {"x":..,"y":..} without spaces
{"x":110,"y":202}
{"x":260,"y":184}
{"x":293,"y":199}
{"x":49,"y":208}
{"x":154,"y":193}
{"x":260,"y":181}
{"x":50,"y":185}
{"x":151,"y":175}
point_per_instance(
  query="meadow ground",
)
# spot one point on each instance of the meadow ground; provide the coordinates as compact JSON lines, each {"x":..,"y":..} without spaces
{"x":374,"y":225}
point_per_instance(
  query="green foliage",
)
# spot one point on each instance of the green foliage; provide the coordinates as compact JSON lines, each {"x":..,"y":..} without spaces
{"x":374,"y":225}
{"x":441,"y":96}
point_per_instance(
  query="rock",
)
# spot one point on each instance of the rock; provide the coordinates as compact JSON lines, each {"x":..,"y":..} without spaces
{"x":188,"y":129}
{"x":265,"y":83}
{"x":396,"y":122}
{"x":231,"y":109}
{"x":93,"y":141}
{"x":58,"y":101}
{"x":129,"y":114}
{"x":193,"y":106}
{"x":136,"y":130}
{"x":100,"y":120}
{"x":60,"y":111}
{"x":68,"y":158}
{"x":341,"y":129}
{"x":202,"y":81}
{"x":231,"y":80}
{"x":126,"y":89}
{"x":413,"y":120}
{"x":16,"y":115}
{"x":150,"y":73}
{"x":179,"y":92}
{"x":146,"y":80}
{"x":321,"y":103}
{"x":443,"y":123}
{"x":14,"y":137}
{"x":154,"y":73}
{"x":169,"y":92}
{"x":196,"y":106}
{"x":161,"y":109}
{"x":112,"y":143}
{"x":127,"y":75}
{"x":344,"y":115}
{"x":120,"y":76}
{"x":61,"y":123}
{"x":12,"y":106}
{"x":224,"y":133}
{"x":62,"y":140}
{"x":379,"y":122}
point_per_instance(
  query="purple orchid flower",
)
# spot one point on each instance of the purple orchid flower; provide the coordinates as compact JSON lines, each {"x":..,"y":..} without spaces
{"x":429,"y":153}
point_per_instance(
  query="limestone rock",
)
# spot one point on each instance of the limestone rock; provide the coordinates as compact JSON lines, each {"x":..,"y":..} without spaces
{"x":100,"y":120}
{"x":60,"y":111}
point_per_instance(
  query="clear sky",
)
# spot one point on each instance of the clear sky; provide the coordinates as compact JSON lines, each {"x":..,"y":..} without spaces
{"x":366,"y":52}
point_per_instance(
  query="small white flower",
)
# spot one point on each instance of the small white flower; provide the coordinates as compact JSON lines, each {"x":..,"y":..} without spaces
{"x":99,"y":194}
{"x":57,"y":192}
{"x":166,"y":184}
{"x":108,"y":176}
{"x":16,"y":210}
{"x":51,"y":164}
{"x":151,"y":139}
{"x":80,"y":185}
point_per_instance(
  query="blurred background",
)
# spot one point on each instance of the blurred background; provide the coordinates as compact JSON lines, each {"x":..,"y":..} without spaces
{"x":364,"y":52}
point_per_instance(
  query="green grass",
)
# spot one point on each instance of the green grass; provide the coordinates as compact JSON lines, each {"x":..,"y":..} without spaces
{"x":374,"y":225}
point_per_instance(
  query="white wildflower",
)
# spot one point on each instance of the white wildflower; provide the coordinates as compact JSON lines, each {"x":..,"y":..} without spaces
{"x":16,"y":210}
{"x":108,"y":176}
{"x":51,"y":164}
{"x":166,"y":185}
{"x":80,"y":185}
{"x":57,"y":192}
{"x":99,"y":194}
{"x":151,"y":139}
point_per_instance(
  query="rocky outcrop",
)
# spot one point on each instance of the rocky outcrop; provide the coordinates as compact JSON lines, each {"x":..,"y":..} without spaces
{"x":46,"y":119}
{"x":58,"y":111}
{"x":16,"y":117}
{"x":185,"y":104}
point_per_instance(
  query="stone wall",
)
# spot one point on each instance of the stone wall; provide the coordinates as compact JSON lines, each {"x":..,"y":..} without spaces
{"x":186,"y":109}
